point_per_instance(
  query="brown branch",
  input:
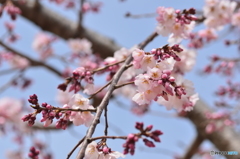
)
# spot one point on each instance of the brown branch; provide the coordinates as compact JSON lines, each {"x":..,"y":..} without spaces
{"x":51,"y":21}
{"x":193,"y":148}
{"x":75,"y":147}
{"x":106,"y":121}
{"x":108,"y":137}
{"x":124,"y":84}
{"x":225,"y":140}
{"x":33,"y":63}
{"x":63,"y":109}
{"x":93,"y":95}
{"x":107,"y":66}
{"x":81,"y":13}
{"x":107,"y":97}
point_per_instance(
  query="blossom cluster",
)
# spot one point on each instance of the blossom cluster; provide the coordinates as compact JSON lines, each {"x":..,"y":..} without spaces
{"x":42,"y":44}
{"x":75,"y":111}
{"x":214,"y":125}
{"x":91,"y":7}
{"x":201,"y":38}
{"x":218,"y":13}
{"x":175,"y":22}
{"x":232,"y":90}
{"x":80,"y":46}
{"x":78,"y":75}
{"x":9,"y":110}
{"x":221,"y":65}
{"x":101,"y":151}
{"x":159,"y":83}
{"x":12,"y":37}
{"x":11,"y":10}
{"x":129,"y":146}
{"x":33,"y":154}
{"x":15,"y":61}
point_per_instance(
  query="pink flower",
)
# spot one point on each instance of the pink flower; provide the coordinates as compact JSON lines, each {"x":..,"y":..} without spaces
{"x":210,"y":128}
{"x":111,"y":155}
{"x":9,"y":109}
{"x":140,"y":98}
{"x":236,"y":19}
{"x":79,"y":102}
{"x":41,"y":41}
{"x":91,"y":151}
{"x":176,"y":23}
{"x":89,"y":89}
{"x":42,"y":44}
{"x":218,"y":13}
{"x":142,"y":82}
{"x":121,"y":54}
{"x":80,"y":46}
{"x":18,"y":62}
{"x":63,"y":97}
{"x":79,"y":118}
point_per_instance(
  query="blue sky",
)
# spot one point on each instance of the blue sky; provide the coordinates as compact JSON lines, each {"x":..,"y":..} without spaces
{"x":126,"y":32}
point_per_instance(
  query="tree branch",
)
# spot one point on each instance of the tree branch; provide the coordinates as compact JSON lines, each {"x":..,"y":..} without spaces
{"x":33,"y":63}
{"x":193,"y":148}
{"x":225,"y":140}
{"x":107,"y":97}
{"x":51,"y":21}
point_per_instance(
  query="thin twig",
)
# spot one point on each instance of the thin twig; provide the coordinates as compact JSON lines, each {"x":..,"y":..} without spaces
{"x":106,"y":122}
{"x":100,"y":89}
{"x":124,"y":84}
{"x":75,"y":147}
{"x":81,"y":13}
{"x":194,"y":147}
{"x":107,"y":97}
{"x":33,"y":62}
{"x":105,"y":67}
{"x":108,"y":137}
{"x":147,"y":15}
{"x":9,"y":83}
{"x":10,"y":70}
{"x":64,"y":109}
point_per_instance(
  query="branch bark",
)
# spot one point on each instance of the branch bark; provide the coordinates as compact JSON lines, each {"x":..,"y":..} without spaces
{"x":53,"y":22}
{"x":225,"y":140}
{"x":193,"y":148}
{"x":33,"y":63}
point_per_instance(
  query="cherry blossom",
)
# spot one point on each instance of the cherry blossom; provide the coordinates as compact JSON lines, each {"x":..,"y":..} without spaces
{"x":80,"y":46}
{"x":178,"y":24}
{"x":188,"y":60}
{"x":9,"y":110}
{"x":18,"y":62}
{"x":218,"y":13}
{"x":78,"y":118}
{"x":42,"y":44}
{"x":93,"y":152}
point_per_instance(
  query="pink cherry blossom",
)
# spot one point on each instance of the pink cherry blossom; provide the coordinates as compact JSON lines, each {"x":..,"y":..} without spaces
{"x":121,"y":54}
{"x":42,"y":44}
{"x":63,"y":97}
{"x":40,"y":41}
{"x":9,"y":110}
{"x":218,"y":13}
{"x":18,"y":62}
{"x":172,"y":22}
{"x":82,"y":46}
{"x":78,"y":101}
{"x":79,"y":118}
{"x":236,"y":19}
{"x":91,"y":151}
